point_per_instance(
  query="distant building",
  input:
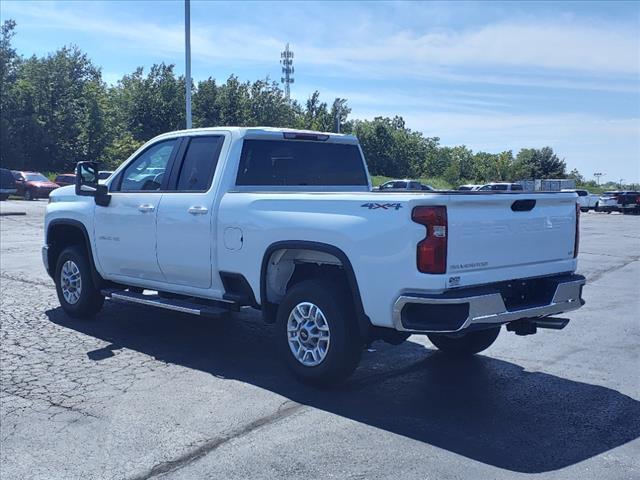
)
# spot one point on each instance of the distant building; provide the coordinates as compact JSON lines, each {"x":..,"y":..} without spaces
{"x":548,"y":184}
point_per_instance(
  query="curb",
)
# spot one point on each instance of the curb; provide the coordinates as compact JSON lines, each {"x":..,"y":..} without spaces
{"x":6,"y":214}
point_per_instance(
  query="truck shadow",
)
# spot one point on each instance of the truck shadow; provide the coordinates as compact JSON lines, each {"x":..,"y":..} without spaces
{"x":489,"y":410}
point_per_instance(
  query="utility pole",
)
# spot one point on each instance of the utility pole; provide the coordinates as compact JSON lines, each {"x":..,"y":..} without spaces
{"x":286,"y":60}
{"x":187,"y":47}
{"x":598,"y":175}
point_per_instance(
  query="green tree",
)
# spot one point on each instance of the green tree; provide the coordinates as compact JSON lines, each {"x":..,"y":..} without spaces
{"x":539,"y":163}
{"x":206,"y":111}
{"x":233,"y":102}
{"x":148,"y":105}
{"x":56,"y":114}
{"x":575,"y":174}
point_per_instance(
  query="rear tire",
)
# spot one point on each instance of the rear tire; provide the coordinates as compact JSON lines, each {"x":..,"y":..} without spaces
{"x":465,"y":344}
{"x":78,"y":295}
{"x":317,"y":334}
{"x":3,"y":197}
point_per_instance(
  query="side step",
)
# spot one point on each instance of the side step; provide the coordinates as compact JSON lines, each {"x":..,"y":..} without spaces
{"x":177,"y":305}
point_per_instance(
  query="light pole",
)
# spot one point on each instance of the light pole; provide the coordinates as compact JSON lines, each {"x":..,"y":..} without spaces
{"x":187,"y":47}
{"x":598,"y":175}
{"x":621,"y":180}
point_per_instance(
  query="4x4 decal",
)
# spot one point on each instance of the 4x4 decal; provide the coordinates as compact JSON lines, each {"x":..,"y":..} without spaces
{"x":384,"y":206}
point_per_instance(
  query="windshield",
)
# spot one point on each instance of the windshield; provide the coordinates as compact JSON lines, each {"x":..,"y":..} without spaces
{"x":36,"y":177}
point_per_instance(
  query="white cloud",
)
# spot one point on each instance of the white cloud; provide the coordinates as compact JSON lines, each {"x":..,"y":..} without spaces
{"x":564,"y":54}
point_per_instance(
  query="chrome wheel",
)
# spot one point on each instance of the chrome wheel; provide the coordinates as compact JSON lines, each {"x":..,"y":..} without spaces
{"x":70,"y":282}
{"x":308,"y":334}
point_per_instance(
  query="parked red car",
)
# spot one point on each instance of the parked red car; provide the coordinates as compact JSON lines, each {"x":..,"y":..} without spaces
{"x":65,"y":179}
{"x":33,"y":185}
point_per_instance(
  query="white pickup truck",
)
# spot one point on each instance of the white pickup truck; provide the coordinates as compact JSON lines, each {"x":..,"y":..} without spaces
{"x":208,"y":220}
{"x":587,"y":201}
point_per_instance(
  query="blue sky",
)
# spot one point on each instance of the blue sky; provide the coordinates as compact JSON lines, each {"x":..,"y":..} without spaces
{"x":492,"y":76}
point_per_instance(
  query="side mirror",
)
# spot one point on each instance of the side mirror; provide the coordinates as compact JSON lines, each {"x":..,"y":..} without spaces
{"x":87,"y":183}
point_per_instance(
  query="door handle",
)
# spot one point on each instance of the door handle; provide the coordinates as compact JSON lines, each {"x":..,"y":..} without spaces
{"x":145,"y":207}
{"x":197,"y":210}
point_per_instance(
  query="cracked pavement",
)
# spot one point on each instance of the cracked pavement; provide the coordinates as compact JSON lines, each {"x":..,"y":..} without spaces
{"x":142,"y":393}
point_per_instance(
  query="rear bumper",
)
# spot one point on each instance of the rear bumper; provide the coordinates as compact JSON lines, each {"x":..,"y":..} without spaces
{"x":478,"y":307}
{"x":607,"y":208}
{"x":629,"y":207}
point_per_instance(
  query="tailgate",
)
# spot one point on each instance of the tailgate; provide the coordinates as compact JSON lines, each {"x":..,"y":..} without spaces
{"x":498,"y":231}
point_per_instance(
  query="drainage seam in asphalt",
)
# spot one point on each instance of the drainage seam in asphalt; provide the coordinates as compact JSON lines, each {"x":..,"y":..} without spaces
{"x":213,"y":444}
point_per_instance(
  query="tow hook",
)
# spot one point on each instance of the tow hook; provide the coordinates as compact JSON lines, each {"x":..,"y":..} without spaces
{"x":529,"y":326}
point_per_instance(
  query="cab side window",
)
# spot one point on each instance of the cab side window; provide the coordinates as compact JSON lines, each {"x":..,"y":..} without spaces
{"x":147,"y":171}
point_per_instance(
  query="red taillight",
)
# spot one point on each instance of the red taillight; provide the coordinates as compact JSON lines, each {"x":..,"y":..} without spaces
{"x":577,"y":241}
{"x":432,"y":251}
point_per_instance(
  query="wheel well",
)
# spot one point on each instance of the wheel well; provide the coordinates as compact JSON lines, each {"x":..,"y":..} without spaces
{"x":288,"y":266}
{"x":289,"y":263}
{"x":61,"y":236}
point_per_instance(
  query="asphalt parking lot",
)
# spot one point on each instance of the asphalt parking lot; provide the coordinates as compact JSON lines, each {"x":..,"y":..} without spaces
{"x":142,"y":393}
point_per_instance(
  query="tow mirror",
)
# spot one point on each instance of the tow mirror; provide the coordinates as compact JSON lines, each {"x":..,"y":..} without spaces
{"x":87,"y":183}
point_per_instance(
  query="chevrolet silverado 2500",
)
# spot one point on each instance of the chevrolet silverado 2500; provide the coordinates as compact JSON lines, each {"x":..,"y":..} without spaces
{"x":209,"y":220}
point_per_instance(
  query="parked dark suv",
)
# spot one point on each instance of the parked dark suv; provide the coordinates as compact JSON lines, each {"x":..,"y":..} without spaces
{"x":65,"y":179}
{"x":33,"y":185}
{"x":7,"y":184}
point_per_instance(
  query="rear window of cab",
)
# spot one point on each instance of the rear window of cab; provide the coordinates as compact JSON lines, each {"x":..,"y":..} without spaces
{"x":299,"y":163}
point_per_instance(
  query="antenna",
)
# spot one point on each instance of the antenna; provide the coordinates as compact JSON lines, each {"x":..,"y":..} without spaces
{"x":286,"y":60}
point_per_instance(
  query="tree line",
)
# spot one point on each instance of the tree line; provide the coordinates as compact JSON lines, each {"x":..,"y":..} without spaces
{"x":56,"y":110}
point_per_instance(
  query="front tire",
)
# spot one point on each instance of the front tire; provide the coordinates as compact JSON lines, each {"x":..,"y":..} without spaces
{"x":463,"y":344}
{"x":78,"y":295}
{"x":28,"y":195}
{"x":317,"y":334}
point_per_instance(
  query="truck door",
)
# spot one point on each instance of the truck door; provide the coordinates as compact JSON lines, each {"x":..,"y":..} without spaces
{"x":125,"y":230}
{"x":186,"y":224}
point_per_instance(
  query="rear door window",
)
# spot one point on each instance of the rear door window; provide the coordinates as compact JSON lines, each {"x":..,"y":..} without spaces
{"x":298,"y":163}
{"x":199,"y":163}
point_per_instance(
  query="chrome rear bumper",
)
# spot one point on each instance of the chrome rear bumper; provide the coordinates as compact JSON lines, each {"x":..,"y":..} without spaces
{"x":486,"y":307}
